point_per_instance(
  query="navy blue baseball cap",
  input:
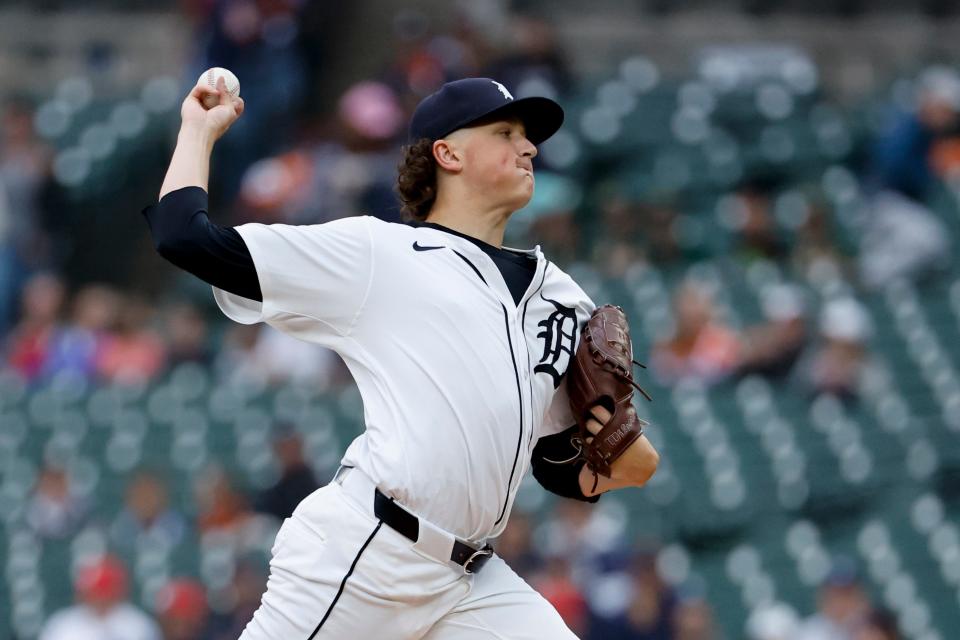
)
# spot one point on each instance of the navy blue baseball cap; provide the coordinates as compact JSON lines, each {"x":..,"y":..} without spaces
{"x":460,"y":103}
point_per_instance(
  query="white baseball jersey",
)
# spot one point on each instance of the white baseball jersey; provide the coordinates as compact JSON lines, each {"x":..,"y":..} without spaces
{"x":458,"y":381}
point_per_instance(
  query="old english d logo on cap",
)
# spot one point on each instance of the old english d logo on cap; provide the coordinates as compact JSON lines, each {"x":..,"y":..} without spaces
{"x":461,"y":103}
{"x":503,"y":90}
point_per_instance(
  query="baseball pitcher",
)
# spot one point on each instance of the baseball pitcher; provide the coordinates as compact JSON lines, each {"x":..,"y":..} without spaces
{"x":461,"y":350}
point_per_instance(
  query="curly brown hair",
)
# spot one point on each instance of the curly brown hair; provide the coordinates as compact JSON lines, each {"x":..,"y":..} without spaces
{"x":417,"y":180}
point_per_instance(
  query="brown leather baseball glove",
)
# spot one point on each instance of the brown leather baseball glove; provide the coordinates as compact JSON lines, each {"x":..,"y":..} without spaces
{"x":602,"y":374}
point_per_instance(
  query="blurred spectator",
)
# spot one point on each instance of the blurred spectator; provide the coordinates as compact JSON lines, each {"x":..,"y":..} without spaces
{"x":945,"y":158}
{"x":280,"y":189}
{"x":235,"y":359}
{"x":24,"y":170}
{"x":701,"y":347}
{"x":350,"y":174}
{"x":423,"y":60}
{"x":515,"y":545}
{"x":777,"y":621}
{"x":879,"y":625}
{"x":249,"y":583}
{"x":296,"y":478}
{"x":133,"y":352}
{"x":649,"y":612}
{"x":618,"y":257}
{"x":558,"y":235}
{"x":621,"y":217}
{"x":556,"y":585}
{"x":548,"y":220}
{"x":186,"y":336}
{"x":103,"y":611}
{"x":147,"y":517}
{"x":836,"y":366}
{"x":842,"y":606}
{"x":750,"y":213}
{"x":659,"y":227}
{"x":261,"y":353}
{"x":903,"y":238}
{"x":652,"y":227}
{"x":221,"y":506}
{"x":901,"y":156}
{"x":816,"y":256}
{"x":224,"y":515}
{"x":54,"y":510}
{"x":771,"y":349}
{"x":363,"y":171}
{"x":29,"y":341}
{"x":418,"y":67}
{"x":537,"y":65}
{"x":585,"y":533}
{"x":693,"y":620}
{"x":259,"y":40}
{"x":182,"y":610}
{"x":76,"y":346}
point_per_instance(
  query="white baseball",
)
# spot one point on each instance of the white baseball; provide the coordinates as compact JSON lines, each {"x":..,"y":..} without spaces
{"x":209,"y":79}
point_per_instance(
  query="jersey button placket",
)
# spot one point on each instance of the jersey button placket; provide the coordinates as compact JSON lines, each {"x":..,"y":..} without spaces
{"x":522,"y":339}
{"x":527,"y":389}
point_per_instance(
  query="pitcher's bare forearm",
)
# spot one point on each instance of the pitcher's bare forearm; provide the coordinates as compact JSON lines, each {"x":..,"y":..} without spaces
{"x":200,"y":128}
{"x":190,"y":164}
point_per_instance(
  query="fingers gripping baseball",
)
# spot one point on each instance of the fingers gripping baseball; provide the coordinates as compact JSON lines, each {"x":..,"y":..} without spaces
{"x":215,"y":120}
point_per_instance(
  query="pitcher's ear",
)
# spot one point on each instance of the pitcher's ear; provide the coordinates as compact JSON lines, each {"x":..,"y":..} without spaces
{"x":447,"y":155}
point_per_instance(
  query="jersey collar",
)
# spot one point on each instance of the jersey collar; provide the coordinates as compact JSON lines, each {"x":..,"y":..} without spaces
{"x":485,"y":246}
{"x":479,"y":253}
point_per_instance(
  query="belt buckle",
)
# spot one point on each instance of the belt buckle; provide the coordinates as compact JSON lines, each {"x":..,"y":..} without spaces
{"x":477,"y":559}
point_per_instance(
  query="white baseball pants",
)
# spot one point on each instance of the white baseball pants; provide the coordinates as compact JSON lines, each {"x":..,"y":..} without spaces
{"x":339,"y":573}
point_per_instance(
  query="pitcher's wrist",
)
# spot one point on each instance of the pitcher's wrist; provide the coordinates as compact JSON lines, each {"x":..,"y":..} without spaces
{"x":196,"y":133}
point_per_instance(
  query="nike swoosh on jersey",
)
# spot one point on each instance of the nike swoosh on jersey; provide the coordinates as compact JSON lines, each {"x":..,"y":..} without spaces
{"x":419,"y":247}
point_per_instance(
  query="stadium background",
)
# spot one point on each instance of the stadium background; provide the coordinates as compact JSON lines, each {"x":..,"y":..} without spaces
{"x":768,"y":187}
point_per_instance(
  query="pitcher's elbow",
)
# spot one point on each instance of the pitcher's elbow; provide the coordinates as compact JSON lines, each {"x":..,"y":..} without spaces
{"x":173,"y":249}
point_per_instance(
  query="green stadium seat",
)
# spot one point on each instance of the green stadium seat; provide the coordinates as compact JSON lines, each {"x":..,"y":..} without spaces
{"x":13,"y":389}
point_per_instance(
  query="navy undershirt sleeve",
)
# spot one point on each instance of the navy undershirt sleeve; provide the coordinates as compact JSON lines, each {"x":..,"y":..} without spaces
{"x":183,"y":234}
{"x":555,"y":467}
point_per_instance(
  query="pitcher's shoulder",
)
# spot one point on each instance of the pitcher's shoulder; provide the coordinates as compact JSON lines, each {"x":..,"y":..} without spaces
{"x":389,"y":229}
{"x":559,"y":282}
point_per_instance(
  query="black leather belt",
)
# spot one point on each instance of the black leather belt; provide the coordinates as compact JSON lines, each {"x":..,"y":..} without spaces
{"x":407,"y":524}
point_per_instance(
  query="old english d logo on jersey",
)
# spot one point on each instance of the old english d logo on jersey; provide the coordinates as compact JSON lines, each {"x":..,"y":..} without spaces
{"x":559,"y":334}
